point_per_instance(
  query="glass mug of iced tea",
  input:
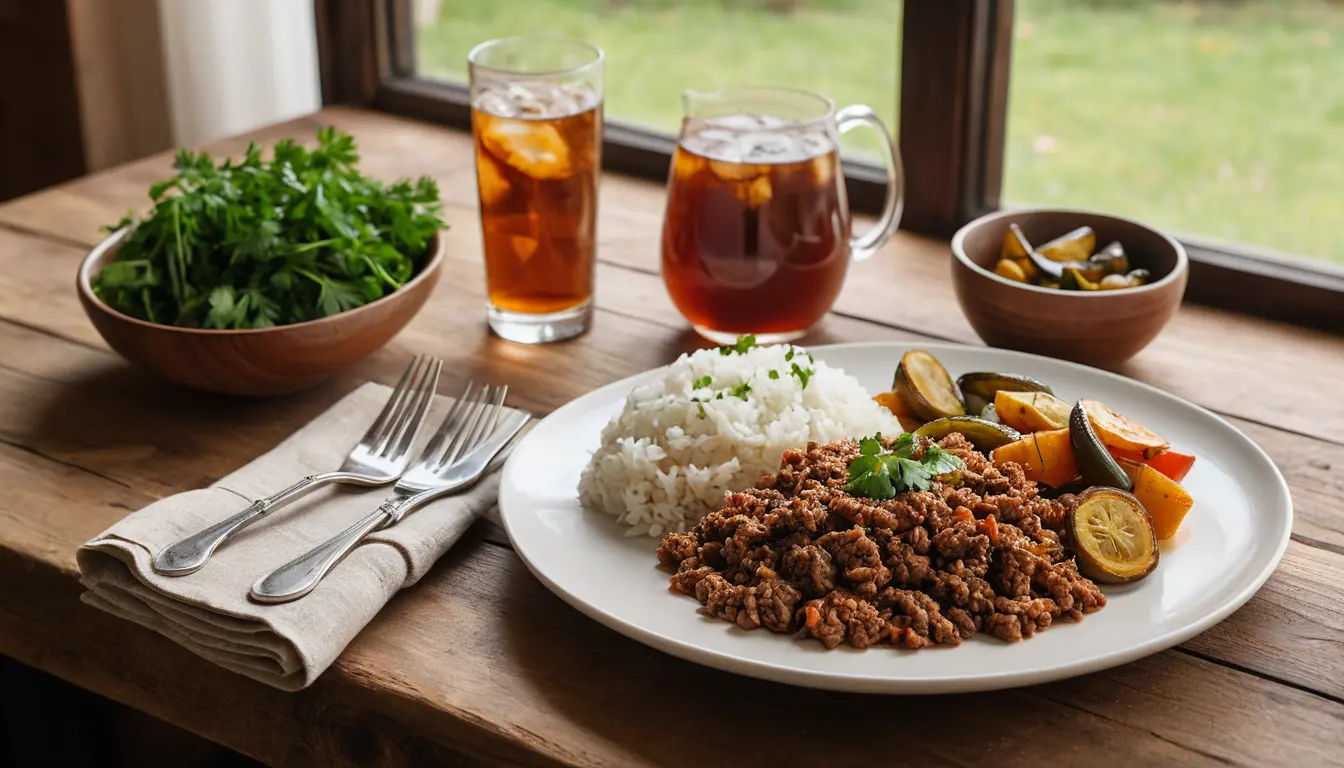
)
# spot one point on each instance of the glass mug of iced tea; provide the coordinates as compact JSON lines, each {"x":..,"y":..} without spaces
{"x":536,"y":115}
{"x":757,"y":233}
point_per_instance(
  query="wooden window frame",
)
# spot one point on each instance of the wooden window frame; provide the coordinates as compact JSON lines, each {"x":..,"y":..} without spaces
{"x":956,"y":58}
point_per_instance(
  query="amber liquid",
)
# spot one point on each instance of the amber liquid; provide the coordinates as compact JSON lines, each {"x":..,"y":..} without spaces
{"x":757,"y":248}
{"x":537,"y":180}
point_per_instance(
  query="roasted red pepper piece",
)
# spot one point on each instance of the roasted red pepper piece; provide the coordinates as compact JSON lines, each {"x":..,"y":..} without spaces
{"x":1172,"y":464}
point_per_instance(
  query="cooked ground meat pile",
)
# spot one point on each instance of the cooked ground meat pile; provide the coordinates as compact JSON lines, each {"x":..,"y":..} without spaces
{"x":799,"y":554}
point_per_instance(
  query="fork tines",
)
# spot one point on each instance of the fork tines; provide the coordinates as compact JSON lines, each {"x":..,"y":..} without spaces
{"x":393,"y":432}
{"x":472,"y":418}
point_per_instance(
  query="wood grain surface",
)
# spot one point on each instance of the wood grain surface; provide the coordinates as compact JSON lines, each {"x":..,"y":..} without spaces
{"x":479,"y":663}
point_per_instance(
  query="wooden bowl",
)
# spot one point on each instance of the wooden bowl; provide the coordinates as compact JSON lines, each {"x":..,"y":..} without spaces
{"x":1102,"y":328}
{"x":264,"y":361}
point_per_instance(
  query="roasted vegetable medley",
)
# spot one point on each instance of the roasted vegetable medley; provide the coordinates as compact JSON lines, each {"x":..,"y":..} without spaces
{"x":1069,"y":262}
{"x":1124,"y":478}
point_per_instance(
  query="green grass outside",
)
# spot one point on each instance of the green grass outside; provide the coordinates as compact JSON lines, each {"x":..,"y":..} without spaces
{"x":1219,"y":118}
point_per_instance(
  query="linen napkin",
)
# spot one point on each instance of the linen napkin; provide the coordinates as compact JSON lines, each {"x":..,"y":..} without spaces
{"x":209,"y":612}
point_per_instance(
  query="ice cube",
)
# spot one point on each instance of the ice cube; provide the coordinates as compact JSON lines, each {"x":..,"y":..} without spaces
{"x":536,"y":149}
{"x":720,"y":145}
{"x":757,"y":192}
{"x":823,"y":170}
{"x":494,"y":102}
{"x":520,"y":233}
{"x":581,"y":95}
{"x":549,"y":100}
{"x":745,"y":122}
{"x":715,"y":136}
{"x":685,"y":165}
{"x":490,"y":177}
{"x":735,"y":171}
{"x":766,"y":147}
{"x":523,"y":247}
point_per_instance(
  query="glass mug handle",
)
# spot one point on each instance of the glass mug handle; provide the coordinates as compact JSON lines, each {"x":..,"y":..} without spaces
{"x":865,"y":245}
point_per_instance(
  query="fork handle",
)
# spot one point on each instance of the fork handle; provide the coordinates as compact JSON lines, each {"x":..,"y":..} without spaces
{"x":188,"y":554}
{"x":298,"y":577}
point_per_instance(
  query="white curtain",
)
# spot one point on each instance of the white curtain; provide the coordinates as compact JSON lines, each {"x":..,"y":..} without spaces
{"x":236,"y":65}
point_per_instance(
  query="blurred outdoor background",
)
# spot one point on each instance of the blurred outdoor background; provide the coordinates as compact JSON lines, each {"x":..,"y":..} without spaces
{"x":1222,"y":119}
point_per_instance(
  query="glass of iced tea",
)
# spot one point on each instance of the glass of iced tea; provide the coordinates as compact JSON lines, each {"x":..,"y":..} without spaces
{"x":757,"y":233}
{"x":536,"y":115}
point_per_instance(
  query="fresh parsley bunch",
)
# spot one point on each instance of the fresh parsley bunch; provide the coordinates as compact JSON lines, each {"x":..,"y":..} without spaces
{"x":880,"y":474}
{"x":256,"y":243}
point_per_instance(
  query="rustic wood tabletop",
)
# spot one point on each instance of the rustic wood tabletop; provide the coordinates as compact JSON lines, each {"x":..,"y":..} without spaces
{"x":479,"y":663}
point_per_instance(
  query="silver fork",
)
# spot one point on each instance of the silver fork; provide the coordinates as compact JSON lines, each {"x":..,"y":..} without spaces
{"x":380,"y":457}
{"x":473,"y":433}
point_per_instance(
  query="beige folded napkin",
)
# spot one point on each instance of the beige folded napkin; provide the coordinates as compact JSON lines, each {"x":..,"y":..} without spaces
{"x":209,"y":612}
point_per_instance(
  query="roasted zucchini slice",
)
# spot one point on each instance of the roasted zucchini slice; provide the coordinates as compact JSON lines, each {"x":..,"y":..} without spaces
{"x":984,"y":435}
{"x":980,"y":387}
{"x":926,"y":386}
{"x":1011,"y":270}
{"x":1076,"y":280}
{"x":1045,"y":266}
{"x":1112,"y":536}
{"x":1112,"y":259}
{"x":1015,"y":245}
{"x":1095,"y":463}
{"x":1077,"y":245}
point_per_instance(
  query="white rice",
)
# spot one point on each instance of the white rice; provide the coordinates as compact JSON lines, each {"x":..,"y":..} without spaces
{"x":667,"y":459}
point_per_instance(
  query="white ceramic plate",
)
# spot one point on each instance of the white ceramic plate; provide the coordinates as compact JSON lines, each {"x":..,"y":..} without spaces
{"x":1230,"y":542}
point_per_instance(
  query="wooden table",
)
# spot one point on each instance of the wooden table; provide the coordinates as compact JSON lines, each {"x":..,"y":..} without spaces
{"x":479,"y":663}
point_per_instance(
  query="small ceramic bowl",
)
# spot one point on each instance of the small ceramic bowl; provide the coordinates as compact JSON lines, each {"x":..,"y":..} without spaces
{"x":264,"y":361}
{"x":1101,"y":328}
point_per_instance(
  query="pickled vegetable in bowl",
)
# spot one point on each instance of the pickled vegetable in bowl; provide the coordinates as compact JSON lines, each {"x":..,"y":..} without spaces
{"x":1069,"y":262}
{"x":1057,"y":288}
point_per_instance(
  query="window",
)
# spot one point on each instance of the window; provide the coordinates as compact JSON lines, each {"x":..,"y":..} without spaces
{"x":1215,"y":119}
{"x":655,"y":49}
{"x":1220,"y":120}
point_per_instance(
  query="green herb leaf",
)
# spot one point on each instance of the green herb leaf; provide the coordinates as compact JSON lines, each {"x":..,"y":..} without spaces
{"x":938,"y":462}
{"x":803,"y":374}
{"x":740,"y":346}
{"x":880,"y":474}
{"x":772,"y":373}
{"x":740,"y":390}
{"x":869,"y":476}
{"x":701,"y":382}
{"x":904,"y":445}
{"x":223,"y":308}
{"x":251,"y":243}
{"x":871,"y":446}
{"x":908,"y":474}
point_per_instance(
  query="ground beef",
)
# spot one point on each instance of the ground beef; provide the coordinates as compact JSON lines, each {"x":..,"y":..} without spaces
{"x":809,"y":568}
{"x":858,"y":559}
{"x":677,"y":547}
{"x":799,"y":554}
{"x":770,"y":604}
{"x":841,"y":617}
